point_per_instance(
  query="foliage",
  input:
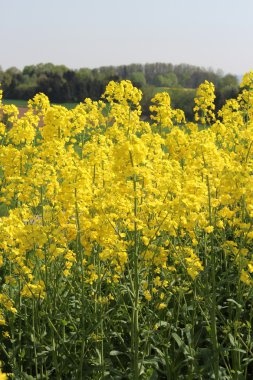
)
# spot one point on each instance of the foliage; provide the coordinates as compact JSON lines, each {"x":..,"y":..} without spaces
{"x":138,"y":79}
{"x":167,"y":80}
{"x":126,"y":246}
{"x":63,"y":85}
{"x":182,"y":98}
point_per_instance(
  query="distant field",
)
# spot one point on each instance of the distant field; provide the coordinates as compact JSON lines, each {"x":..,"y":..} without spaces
{"x":181,"y":97}
{"x":18,"y":103}
{"x":175,"y":93}
{"x":23,"y":103}
{"x":175,"y":90}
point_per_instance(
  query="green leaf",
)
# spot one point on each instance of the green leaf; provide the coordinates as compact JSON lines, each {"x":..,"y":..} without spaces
{"x":232,"y":340}
{"x":178,"y":339}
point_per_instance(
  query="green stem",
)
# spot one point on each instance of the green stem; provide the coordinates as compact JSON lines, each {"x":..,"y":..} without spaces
{"x":101,"y":324}
{"x":214,"y":338}
{"x":135,"y":311}
{"x":80,"y":257}
{"x":34,"y":340}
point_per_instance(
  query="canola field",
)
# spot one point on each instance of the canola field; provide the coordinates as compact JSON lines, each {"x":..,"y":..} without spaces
{"x":126,"y":245}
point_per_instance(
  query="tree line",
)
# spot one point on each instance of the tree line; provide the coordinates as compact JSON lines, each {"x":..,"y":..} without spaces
{"x":62,"y":84}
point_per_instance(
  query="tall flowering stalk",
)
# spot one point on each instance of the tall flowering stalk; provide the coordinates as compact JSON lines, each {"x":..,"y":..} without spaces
{"x":126,"y":245}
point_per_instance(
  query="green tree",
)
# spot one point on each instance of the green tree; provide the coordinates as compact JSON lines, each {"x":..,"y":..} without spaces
{"x":166,"y":80}
{"x":229,"y":80}
{"x":138,"y":79}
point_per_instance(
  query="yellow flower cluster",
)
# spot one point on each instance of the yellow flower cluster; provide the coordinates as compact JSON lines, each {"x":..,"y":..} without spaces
{"x":96,"y":186}
{"x":163,"y":113}
{"x":205,"y":103}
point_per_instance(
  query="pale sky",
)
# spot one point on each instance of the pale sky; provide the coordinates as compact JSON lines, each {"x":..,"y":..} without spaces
{"x":94,"y":33}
